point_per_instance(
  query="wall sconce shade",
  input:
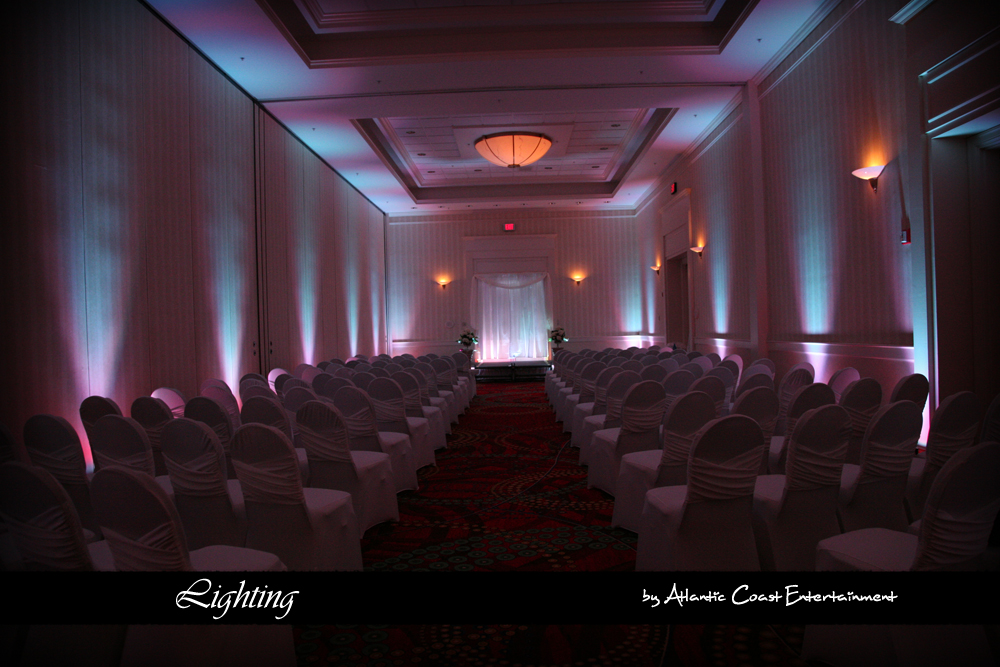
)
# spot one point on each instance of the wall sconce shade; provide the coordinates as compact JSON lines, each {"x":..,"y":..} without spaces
{"x":656,"y":268}
{"x":578,"y":279}
{"x":870,"y":174}
{"x":443,"y":282}
{"x":698,"y":249}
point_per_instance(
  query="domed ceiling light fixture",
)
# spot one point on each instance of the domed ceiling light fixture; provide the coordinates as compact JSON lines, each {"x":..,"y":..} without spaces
{"x":513,"y":149}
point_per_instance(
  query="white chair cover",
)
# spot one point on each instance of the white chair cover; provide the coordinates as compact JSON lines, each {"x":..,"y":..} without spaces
{"x":367,"y":476}
{"x":797,"y":377}
{"x":617,"y":388}
{"x":390,"y":414}
{"x":583,"y":389}
{"x":598,"y":403}
{"x":121,"y":441}
{"x":209,"y":411}
{"x":734,"y":368}
{"x":642,"y":413}
{"x":954,"y":426}
{"x":358,"y":413}
{"x":273,"y":376}
{"x":145,"y":534}
{"x":641,"y":471}
{"x":309,"y":529}
{"x":53,"y":445}
{"x":761,"y":405}
{"x":862,"y":399}
{"x":714,"y":387}
{"x":677,"y":384}
{"x":766,"y":363}
{"x":210,"y":507}
{"x":959,"y":514}
{"x":153,"y":414}
{"x":913,"y":387}
{"x":415,"y":408}
{"x":728,"y":383}
{"x":93,"y":408}
{"x":871,"y":495}
{"x":43,"y":523}
{"x":654,"y":372}
{"x":670,"y":364}
{"x":706,"y":524}
{"x":224,"y":397}
{"x":807,"y":397}
{"x":174,"y":399}
{"x":436,"y":389}
{"x":794,"y":511}
{"x":738,"y":360}
{"x":842,"y":379}
{"x":705,"y":363}
{"x":753,"y":380}
{"x":427,"y":399}
{"x":447,"y":378}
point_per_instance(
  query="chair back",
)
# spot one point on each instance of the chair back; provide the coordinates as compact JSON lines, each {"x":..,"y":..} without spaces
{"x":330,"y":387}
{"x":362,"y":379}
{"x":761,"y":405}
{"x":294,"y":399}
{"x":54,"y":446}
{"x":153,"y":414}
{"x":617,"y":388}
{"x":197,"y":467}
{"x":677,"y":384}
{"x":272,"y":378}
{"x":344,"y":372}
{"x":95,"y":407}
{"x":648,"y":359}
{"x":817,"y":448}
{"x":670,"y":364}
{"x":601,"y":389}
{"x":390,"y":405}
{"x":766,"y":363}
{"x":842,"y":379}
{"x":705,"y":363}
{"x":653,"y":372}
{"x":358,"y":413}
{"x":41,"y":519}
{"x":725,"y":374}
{"x":714,"y":387}
{"x":320,"y":380}
{"x":139,"y":521}
{"x":121,"y":441}
{"x":208,"y":411}
{"x":632,"y":365}
{"x":753,"y":380}
{"x":323,"y":434}
{"x":252,"y":391}
{"x":862,"y":399}
{"x":725,"y":459}
{"x":685,"y":418}
{"x":732,"y":367}
{"x":267,"y":410}
{"x":225,"y":398}
{"x":911,"y":388}
{"x":796,"y":378}
{"x":961,"y":507}
{"x":808,"y":397}
{"x":588,"y":381}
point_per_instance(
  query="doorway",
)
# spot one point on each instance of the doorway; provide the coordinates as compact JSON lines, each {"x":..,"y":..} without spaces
{"x":675,"y":294}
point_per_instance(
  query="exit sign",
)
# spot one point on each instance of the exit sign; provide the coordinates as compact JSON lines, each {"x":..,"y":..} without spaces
{"x":508,"y":226}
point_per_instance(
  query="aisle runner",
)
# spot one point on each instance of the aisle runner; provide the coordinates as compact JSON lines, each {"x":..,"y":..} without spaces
{"x":499,"y":499}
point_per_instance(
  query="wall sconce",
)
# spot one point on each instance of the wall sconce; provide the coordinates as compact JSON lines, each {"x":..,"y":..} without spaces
{"x":578,"y":279}
{"x":698,"y":249}
{"x":656,"y":268}
{"x":443,"y":282}
{"x":870,"y":174}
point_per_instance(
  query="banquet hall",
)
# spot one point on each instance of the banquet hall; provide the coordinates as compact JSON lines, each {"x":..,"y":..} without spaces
{"x":200,"y":191}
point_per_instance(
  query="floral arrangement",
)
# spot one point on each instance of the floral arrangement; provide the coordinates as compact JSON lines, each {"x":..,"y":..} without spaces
{"x":558,"y":336}
{"x":468,"y":338}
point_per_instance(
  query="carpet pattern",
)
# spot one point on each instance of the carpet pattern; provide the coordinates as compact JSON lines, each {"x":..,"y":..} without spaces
{"x":506,"y":495}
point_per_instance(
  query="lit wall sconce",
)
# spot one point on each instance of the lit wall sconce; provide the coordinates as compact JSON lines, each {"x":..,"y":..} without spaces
{"x":870,"y":174}
{"x":443,"y":282}
{"x":578,"y":279}
{"x":698,"y":249}
{"x":656,"y":268}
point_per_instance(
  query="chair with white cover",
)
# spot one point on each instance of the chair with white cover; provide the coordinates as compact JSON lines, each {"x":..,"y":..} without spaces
{"x":871,"y":494}
{"x":728,"y":383}
{"x":642,"y":413}
{"x":961,"y":507}
{"x":209,"y":411}
{"x":736,"y":359}
{"x":705,"y":363}
{"x":390,"y":414}
{"x":793,"y":511}
{"x":567,"y":374}
{"x":648,"y":359}
{"x":53,"y":445}
{"x":458,"y":377}
{"x":320,"y":380}
{"x":329,"y":388}
{"x":145,"y":534}
{"x":252,"y":376}
{"x":842,"y":379}
{"x":694,"y":354}
{"x":174,"y":399}
{"x":306,"y":372}
{"x":255,"y":390}
{"x":210,"y":505}
{"x":914,"y":388}
{"x":807,"y":397}
{"x":285,"y":385}
{"x":344,"y":372}
{"x":429,"y":396}
{"x":592,"y":404}
{"x":714,"y":387}
{"x":358,"y":413}
{"x":761,"y":405}
{"x":696,"y":369}
{"x":680,"y":357}
{"x":362,"y":379}
{"x":862,"y":399}
{"x":295,"y":398}
{"x":670,"y":364}
{"x":654,"y":372}
{"x":706,"y":524}
{"x":308,"y":528}
{"x":121,"y":441}
{"x":584,"y":384}
{"x":632,"y":365}
{"x":611,"y":418}
{"x":270,"y":411}
{"x":677,"y":384}
{"x":617,"y":362}
{"x":415,"y":408}
{"x":93,"y":408}
{"x":765,"y":362}
{"x":641,"y":471}
{"x":448,"y":379}
{"x":219,"y":391}
{"x":734,"y":368}
{"x":753,"y":380}
{"x":367,"y":476}
{"x":153,"y":414}
{"x":954,"y":427}
{"x":43,"y":524}
{"x":437,"y":389}
{"x":991,"y":422}
{"x":798,"y":376}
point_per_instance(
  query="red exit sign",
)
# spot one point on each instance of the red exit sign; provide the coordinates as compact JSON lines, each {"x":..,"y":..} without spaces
{"x":508,"y":226}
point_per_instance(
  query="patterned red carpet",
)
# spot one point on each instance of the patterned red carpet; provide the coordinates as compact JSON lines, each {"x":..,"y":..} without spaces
{"x":506,"y":495}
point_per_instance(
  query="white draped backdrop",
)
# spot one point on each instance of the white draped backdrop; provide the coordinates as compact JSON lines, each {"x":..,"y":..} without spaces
{"x":513,"y":317}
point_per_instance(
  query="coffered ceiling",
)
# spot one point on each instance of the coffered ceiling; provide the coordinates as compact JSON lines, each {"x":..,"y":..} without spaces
{"x":394,"y":93}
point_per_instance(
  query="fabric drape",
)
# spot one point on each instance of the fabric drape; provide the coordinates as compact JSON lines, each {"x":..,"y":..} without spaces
{"x":513,"y":315}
